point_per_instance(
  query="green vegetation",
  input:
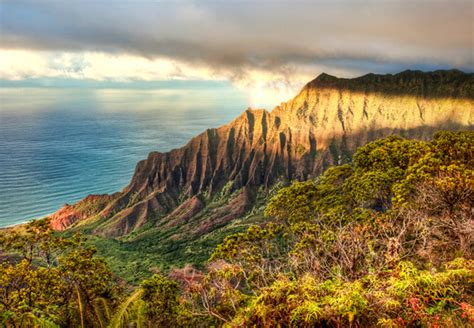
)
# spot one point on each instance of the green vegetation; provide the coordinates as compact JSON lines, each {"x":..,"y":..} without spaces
{"x":165,"y":248}
{"x":385,"y":241}
{"x":155,"y":304}
{"x":48,"y":281}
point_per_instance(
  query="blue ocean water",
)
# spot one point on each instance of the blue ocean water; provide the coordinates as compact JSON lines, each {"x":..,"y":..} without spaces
{"x":59,"y":145}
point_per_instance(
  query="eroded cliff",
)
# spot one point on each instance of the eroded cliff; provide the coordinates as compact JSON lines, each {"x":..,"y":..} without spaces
{"x":322,"y":125}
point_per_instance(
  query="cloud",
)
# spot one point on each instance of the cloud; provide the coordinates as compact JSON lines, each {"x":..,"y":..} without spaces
{"x":100,"y":66}
{"x":256,"y":33}
{"x":279,"y":44}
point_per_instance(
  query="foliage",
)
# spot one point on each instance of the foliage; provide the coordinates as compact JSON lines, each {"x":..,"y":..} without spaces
{"x":166,"y":247}
{"x":337,"y":250}
{"x":399,"y":297}
{"x":46,"y":279}
{"x":161,"y":297}
{"x":385,"y":241}
{"x":154,"y":304}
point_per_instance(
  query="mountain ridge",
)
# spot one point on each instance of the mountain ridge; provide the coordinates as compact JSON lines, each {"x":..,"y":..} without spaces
{"x":440,"y":83}
{"x":322,"y":125}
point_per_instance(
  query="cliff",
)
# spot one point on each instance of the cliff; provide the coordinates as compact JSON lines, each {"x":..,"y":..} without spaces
{"x":322,"y":125}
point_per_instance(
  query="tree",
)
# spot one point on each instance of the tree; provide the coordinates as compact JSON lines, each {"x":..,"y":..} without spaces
{"x":336,"y":252}
{"x":48,"y":279}
{"x":155,"y":303}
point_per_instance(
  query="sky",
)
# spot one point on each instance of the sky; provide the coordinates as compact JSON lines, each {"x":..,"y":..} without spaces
{"x":267,"y":48}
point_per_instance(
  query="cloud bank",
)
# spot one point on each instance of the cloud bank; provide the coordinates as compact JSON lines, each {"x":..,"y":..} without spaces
{"x":277,"y":44}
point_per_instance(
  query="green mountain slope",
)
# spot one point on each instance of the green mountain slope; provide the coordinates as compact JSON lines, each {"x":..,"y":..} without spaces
{"x":385,"y":241}
{"x":181,"y":203}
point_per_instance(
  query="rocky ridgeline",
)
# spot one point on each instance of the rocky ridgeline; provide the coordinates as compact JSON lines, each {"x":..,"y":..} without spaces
{"x":323,"y":125}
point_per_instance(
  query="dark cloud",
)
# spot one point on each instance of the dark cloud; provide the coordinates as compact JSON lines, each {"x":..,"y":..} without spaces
{"x":382,"y":35}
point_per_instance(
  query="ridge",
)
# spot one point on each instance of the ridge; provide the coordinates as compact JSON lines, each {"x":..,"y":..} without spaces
{"x":323,"y":125}
{"x":439,"y":83}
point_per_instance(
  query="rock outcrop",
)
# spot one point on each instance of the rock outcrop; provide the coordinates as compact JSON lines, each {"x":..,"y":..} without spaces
{"x":68,"y":215}
{"x":324,"y":124}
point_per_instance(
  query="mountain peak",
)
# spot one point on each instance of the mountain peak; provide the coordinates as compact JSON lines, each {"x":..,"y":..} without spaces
{"x":325,"y":77}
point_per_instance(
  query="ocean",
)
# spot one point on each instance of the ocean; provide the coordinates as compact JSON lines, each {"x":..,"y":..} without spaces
{"x":59,"y":145}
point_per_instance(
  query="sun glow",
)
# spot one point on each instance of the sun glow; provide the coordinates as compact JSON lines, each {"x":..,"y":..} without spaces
{"x":264,"y":88}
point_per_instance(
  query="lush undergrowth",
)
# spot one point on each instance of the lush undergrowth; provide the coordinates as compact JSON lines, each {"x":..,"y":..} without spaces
{"x":131,"y":258}
{"x":164,"y":249}
{"x":385,"y":241}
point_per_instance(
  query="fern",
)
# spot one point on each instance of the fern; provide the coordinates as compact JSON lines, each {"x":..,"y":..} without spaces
{"x":121,"y":316}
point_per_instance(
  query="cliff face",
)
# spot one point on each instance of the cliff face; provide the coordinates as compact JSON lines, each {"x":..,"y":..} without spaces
{"x":322,"y":125}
